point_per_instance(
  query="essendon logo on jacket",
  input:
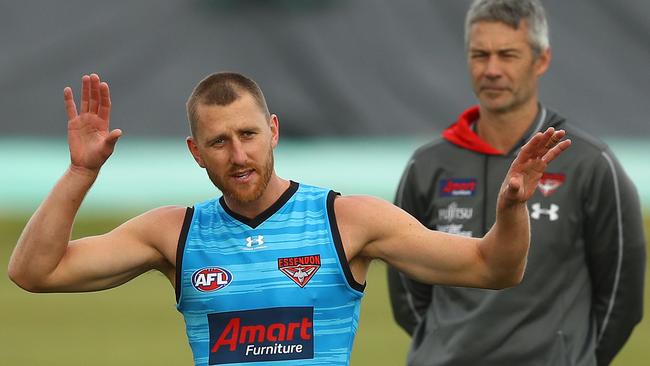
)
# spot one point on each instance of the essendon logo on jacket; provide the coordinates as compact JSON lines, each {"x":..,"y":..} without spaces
{"x":211,"y":279}
{"x":549,"y":183}
{"x":457,"y":187}
{"x":273,"y":334}
{"x":300,"y":269}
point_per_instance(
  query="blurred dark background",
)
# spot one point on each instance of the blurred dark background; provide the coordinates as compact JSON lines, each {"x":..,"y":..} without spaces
{"x":328,"y":67}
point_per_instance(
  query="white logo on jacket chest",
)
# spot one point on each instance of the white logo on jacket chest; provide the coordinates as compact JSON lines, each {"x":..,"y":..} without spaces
{"x":256,"y":242}
{"x":453,"y":212}
{"x":538,"y":211}
{"x":456,"y":229}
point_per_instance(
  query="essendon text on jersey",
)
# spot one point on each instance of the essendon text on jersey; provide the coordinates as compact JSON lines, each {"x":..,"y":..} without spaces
{"x":457,"y":187}
{"x":304,"y":260}
{"x":261,"y":335}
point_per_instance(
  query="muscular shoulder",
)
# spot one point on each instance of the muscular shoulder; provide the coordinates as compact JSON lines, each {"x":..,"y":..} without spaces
{"x":364,"y":219}
{"x":358,"y":209}
{"x":166,"y":215}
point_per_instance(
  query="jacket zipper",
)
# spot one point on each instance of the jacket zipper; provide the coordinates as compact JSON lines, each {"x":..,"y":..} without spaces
{"x":485,"y":193}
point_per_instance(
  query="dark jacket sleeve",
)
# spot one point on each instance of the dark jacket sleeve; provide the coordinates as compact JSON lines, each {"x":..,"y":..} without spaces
{"x":409,"y":299}
{"x":615,"y":254}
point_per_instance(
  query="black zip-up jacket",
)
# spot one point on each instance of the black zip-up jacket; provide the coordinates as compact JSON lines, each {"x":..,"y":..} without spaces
{"x":582,"y":292}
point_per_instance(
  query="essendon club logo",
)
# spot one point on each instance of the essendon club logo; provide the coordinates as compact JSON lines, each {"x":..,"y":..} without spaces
{"x":273,"y":334}
{"x":300,"y":269}
{"x":457,"y":187}
{"x":549,"y":183}
{"x":211,"y":279}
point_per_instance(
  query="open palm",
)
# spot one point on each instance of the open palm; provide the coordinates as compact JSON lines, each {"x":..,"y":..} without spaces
{"x":529,"y":165}
{"x":89,"y":138}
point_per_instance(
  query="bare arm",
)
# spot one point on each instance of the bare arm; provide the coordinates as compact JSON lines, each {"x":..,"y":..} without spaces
{"x":44,"y":259}
{"x":495,"y":261}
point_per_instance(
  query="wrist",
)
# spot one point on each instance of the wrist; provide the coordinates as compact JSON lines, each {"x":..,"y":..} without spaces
{"x":512,"y":210}
{"x":83,"y":172}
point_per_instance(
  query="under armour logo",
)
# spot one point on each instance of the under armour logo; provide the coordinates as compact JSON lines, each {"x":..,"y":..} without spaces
{"x":255,"y":243}
{"x":538,"y":211}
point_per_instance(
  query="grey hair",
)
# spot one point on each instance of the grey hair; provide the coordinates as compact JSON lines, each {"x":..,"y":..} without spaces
{"x":512,"y":12}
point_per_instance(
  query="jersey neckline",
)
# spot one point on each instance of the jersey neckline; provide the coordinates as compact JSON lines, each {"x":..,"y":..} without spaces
{"x":259,"y":219}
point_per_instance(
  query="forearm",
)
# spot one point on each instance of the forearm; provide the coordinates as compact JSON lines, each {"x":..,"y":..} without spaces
{"x":505,"y":247}
{"x":45,"y":238}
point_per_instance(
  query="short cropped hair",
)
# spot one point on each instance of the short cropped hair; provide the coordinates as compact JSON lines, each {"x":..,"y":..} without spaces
{"x":512,"y":12}
{"x":222,"y":88}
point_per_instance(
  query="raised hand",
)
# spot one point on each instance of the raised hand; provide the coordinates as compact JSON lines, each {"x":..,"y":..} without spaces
{"x":527,"y":169}
{"x":89,"y":138}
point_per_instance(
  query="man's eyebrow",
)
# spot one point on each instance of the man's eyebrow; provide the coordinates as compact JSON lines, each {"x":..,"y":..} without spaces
{"x":221,"y":136}
{"x":499,"y":50}
{"x":508,"y":49}
{"x":249,"y":128}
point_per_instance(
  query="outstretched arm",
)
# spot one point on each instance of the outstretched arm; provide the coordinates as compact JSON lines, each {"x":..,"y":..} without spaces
{"x":43,"y":260}
{"x":495,"y":261}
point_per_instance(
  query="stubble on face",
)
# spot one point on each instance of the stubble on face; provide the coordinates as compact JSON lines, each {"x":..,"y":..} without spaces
{"x":244,"y":193}
{"x":499,"y":97}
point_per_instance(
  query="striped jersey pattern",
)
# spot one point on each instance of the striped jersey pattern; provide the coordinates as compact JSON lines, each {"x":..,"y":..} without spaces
{"x":276,"y":289}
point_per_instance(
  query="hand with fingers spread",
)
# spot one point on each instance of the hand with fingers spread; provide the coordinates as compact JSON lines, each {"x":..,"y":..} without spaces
{"x":89,"y":138}
{"x":527,"y":169}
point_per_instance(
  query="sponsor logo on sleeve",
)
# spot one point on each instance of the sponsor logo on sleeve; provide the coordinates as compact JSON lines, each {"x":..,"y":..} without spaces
{"x":211,"y":279}
{"x":549,"y":183}
{"x":300,"y":269}
{"x":457,"y":187}
{"x":274,"y":334}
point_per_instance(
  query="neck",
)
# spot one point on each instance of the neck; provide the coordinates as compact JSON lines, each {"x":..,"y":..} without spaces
{"x":503,"y":130}
{"x":276,"y":187}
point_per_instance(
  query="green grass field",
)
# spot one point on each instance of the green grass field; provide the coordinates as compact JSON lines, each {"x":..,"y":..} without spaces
{"x":137,"y":324}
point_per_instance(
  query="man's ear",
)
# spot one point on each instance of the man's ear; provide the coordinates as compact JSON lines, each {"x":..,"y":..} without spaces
{"x":194,"y":150}
{"x":274,"y":123}
{"x":543,"y":62}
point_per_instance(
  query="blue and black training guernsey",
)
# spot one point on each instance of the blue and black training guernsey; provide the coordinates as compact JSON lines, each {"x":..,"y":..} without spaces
{"x":276,"y":289}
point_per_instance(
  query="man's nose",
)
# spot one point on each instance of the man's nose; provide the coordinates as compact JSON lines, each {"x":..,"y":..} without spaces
{"x":493,"y":68}
{"x":237,"y":153}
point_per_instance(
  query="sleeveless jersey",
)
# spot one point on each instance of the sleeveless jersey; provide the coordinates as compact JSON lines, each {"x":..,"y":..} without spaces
{"x":276,"y":289}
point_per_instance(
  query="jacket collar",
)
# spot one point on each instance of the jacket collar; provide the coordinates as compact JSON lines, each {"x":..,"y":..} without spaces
{"x":462,"y":134}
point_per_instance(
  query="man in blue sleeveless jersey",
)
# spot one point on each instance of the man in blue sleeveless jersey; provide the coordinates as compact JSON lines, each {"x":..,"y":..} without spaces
{"x":273,"y":270}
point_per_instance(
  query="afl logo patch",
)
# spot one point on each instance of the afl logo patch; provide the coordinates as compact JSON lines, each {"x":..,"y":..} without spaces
{"x":211,"y":279}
